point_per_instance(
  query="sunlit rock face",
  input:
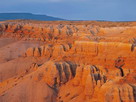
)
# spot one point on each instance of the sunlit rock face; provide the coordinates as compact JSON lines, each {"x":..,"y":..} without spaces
{"x":67,"y":61}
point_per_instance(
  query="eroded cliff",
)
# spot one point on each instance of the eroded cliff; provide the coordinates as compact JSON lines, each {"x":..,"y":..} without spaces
{"x":67,"y":61}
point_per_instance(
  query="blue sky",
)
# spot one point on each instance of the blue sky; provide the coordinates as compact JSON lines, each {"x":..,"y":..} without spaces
{"x":111,"y":10}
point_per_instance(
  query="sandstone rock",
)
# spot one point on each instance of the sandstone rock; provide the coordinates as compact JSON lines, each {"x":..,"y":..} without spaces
{"x":66,"y":47}
{"x":114,"y":91}
{"x":88,"y":77}
{"x":86,"y":47}
{"x":42,"y":48}
{"x":30,"y":52}
{"x":76,"y":62}
{"x":56,"y":73}
{"x":122,"y":93}
{"x":89,"y":86}
{"x":37,"y":52}
{"x":58,"y":50}
{"x":78,"y":76}
{"x":48,"y":51}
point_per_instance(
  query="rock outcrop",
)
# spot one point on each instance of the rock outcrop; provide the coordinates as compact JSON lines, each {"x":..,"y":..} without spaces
{"x":67,"y":61}
{"x":48,"y":51}
{"x":91,"y":84}
{"x":56,"y":74}
{"x":116,"y":93}
{"x":42,"y":32}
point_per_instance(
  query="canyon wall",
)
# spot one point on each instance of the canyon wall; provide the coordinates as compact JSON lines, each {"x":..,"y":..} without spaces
{"x":67,"y":62}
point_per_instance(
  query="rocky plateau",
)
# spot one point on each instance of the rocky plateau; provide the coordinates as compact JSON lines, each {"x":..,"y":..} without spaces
{"x":67,"y":61}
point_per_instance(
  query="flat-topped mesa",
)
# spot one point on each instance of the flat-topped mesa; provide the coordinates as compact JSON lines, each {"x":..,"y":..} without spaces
{"x":103,"y":50}
{"x":99,"y":48}
{"x":85,"y":47}
{"x":118,"y":30}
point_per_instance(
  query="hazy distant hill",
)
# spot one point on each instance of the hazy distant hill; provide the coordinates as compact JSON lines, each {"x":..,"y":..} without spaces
{"x":30,"y":16}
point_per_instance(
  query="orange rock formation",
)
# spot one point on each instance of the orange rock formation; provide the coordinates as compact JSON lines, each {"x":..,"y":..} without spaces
{"x":67,"y":61}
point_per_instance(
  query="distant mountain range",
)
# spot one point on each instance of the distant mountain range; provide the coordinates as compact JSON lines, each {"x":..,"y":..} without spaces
{"x":28,"y":16}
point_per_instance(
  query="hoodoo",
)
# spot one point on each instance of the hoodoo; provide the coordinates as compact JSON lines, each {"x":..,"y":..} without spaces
{"x":67,"y":61}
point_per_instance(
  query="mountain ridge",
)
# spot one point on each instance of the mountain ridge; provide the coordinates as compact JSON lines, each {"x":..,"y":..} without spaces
{"x":28,"y":16}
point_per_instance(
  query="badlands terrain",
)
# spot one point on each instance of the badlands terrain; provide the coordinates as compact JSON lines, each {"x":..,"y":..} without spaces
{"x":67,"y":61}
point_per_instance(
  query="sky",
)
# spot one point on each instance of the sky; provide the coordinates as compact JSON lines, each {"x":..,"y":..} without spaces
{"x":109,"y":10}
